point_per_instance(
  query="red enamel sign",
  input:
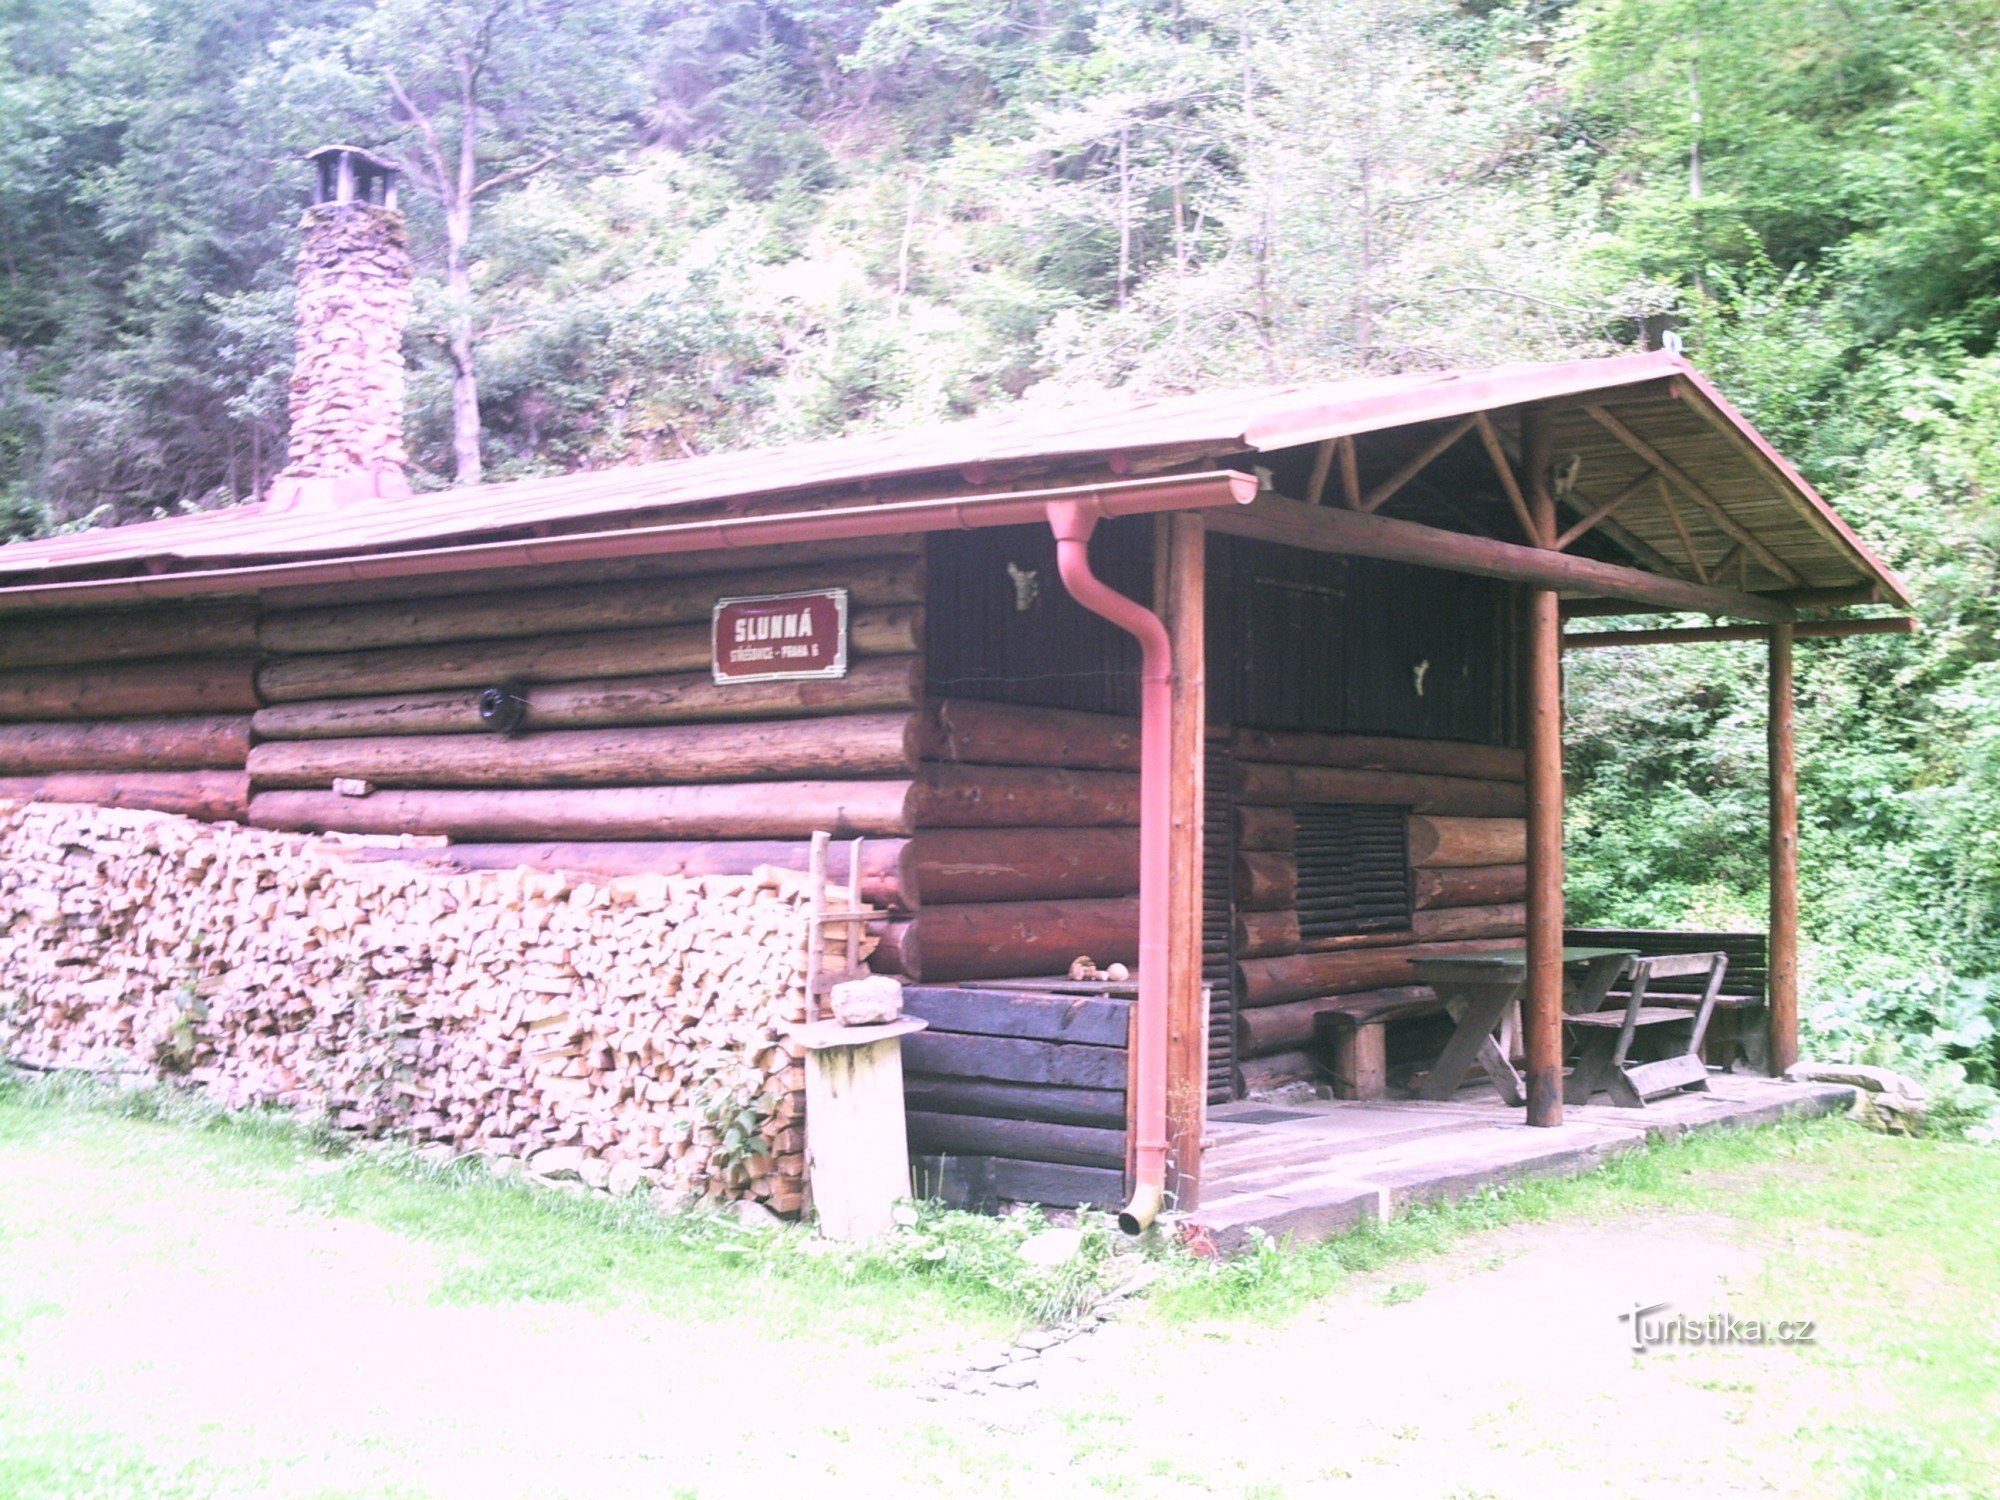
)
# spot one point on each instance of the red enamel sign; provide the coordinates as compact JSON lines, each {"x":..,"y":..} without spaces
{"x":766,"y":636}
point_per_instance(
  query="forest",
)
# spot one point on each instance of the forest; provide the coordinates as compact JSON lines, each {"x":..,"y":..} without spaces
{"x":650,"y":228}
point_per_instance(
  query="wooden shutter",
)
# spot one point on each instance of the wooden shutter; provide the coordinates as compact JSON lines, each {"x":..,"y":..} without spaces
{"x":1354,"y":869}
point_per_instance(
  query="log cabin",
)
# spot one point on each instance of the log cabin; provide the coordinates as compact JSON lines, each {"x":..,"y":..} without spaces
{"x":1255,"y":692}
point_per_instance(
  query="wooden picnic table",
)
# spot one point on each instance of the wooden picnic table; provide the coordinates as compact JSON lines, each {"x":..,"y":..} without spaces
{"x":1482,"y":989}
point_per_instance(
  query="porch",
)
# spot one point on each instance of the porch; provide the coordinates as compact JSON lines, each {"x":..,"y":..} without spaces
{"x":1308,"y":1168}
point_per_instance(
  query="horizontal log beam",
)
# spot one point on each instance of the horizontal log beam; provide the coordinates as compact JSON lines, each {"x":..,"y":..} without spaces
{"x":886,"y":875}
{"x":1446,"y":843}
{"x":756,"y":810}
{"x":1013,"y":797}
{"x":1272,"y":981}
{"x":201,"y":742}
{"x":850,"y":745}
{"x":212,"y":796}
{"x":894,"y":631}
{"x":1265,"y":828}
{"x":1082,"y":1019}
{"x":1273,"y":518}
{"x":1018,"y":939}
{"x":1019,"y":1140}
{"x":665,"y":698}
{"x":1369,"y":752}
{"x":1460,"y":796}
{"x":1443,"y":924}
{"x":1007,"y":734}
{"x":1014,"y":1101}
{"x":125,"y":635}
{"x":130,"y":690}
{"x":1265,"y":881}
{"x":1014,"y":1060}
{"x":1278,"y":1069}
{"x":1806,"y":630}
{"x":1025,"y":864}
{"x":1472,"y":885}
{"x":593,"y":606}
{"x":1283,"y":1028}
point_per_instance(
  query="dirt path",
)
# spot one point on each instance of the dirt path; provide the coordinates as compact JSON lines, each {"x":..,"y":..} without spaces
{"x":179,"y":1326}
{"x":1501,"y":1370}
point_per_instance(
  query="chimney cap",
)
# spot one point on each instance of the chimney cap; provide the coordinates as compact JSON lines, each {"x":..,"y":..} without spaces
{"x":345,"y":174}
{"x":369,"y":158}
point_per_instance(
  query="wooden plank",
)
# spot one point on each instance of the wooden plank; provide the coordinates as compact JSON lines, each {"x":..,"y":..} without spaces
{"x":1059,"y":1185}
{"x":1021,"y":1140}
{"x":1015,"y":1060}
{"x":1015,"y":1101}
{"x":753,"y":810}
{"x":888,"y":682}
{"x":857,"y":745}
{"x":1371,"y":752}
{"x":1273,"y":518}
{"x":1053,"y":1018}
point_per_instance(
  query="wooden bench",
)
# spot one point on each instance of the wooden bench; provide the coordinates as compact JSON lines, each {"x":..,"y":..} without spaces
{"x":1354,"y":1035}
{"x":1738,"y":1031}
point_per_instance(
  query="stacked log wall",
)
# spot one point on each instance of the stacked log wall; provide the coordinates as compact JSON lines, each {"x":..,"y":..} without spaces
{"x":627,"y":757}
{"x":1467,"y":856}
{"x":140,"y":708}
{"x":1018,"y":1095}
{"x":1026,"y":848}
{"x":608,"y":1027}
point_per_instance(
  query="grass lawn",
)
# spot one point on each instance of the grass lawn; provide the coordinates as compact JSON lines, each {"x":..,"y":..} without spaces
{"x":204,"y":1307}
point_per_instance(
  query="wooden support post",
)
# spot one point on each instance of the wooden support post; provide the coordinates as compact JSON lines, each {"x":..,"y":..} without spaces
{"x":1784,"y":960}
{"x":1179,"y":592}
{"x":1542,"y":998}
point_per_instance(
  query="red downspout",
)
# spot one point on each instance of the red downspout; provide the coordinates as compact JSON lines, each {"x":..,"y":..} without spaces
{"x":1072,"y":521}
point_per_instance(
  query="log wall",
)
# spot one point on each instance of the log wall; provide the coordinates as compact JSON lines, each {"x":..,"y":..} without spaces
{"x":1017,"y":1095}
{"x":139,"y":708}
{"x":1467,"y":848}
{"x":626,"y":757}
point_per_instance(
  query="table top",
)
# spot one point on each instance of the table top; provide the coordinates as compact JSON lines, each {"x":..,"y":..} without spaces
{"x":1511,"y":959}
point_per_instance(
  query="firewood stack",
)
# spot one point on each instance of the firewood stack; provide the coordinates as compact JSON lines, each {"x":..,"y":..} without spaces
{"x":640,"y":1021}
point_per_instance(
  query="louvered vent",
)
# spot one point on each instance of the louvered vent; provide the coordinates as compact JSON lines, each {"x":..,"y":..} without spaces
{"x":1354,"y":869}
{"x":1218,"y":955}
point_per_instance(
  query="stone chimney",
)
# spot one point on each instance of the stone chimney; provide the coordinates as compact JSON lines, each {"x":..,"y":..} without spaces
{"x":353,"y":304}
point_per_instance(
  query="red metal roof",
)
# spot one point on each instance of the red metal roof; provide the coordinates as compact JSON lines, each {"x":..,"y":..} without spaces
{"x":1262,"y":420}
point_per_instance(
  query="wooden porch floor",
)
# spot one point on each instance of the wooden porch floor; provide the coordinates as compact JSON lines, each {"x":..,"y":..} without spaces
{"x":1312,"y":1168}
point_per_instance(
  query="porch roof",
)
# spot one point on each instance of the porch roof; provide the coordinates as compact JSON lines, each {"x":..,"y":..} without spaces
{"x":1747,"y":508}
